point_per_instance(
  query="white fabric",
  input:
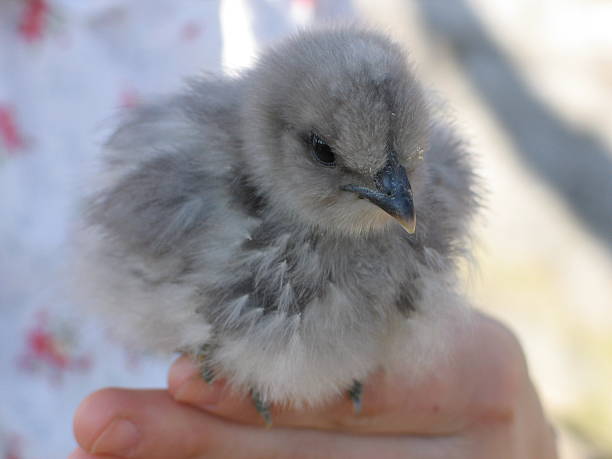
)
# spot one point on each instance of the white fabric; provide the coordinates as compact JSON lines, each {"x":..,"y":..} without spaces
{"x":65,"y":68}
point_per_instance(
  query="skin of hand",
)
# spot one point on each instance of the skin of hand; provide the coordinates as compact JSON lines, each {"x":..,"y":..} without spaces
{"x":480,"y":403}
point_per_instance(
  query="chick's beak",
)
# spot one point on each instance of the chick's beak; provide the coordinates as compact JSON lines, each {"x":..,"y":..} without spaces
{"x":393,"y":193}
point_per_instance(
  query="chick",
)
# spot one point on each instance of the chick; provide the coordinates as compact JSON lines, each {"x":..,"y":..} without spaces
{"x":295,"y":227}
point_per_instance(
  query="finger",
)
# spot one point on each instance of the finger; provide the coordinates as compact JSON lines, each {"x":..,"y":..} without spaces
{"x":168,"y":429}
{"x":389,"y":405}
{"x":147,"y":423}
{"x":475,"y":383}
{"x":81,"y":454}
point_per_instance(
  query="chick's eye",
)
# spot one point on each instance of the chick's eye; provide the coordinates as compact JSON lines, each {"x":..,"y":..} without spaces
{"x":322,"y":152}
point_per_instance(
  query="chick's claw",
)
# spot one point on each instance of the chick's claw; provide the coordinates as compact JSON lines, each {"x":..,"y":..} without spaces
{"x":203,"y":361}
{"x":355,"y":393}
{"x":208,"y":374}
{"x":262,"y":407}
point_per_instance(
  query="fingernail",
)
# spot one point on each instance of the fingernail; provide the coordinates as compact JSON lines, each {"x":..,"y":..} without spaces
{"x":119,"y":438}
{"x":182,"y":370}
{"x":196,"y":392}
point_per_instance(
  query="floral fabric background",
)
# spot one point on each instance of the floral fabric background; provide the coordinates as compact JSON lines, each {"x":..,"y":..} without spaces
{"x":66,"y":67}
{"x":528,"y":82}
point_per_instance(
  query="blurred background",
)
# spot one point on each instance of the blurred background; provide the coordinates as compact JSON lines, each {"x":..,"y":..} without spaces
{"x":529,"y":83}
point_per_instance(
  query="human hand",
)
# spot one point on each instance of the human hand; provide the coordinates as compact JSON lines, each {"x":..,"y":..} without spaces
{"x":480,"y":403}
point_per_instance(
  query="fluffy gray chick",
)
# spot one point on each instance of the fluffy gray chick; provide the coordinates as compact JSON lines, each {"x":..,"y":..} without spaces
{"x":267,"y":221}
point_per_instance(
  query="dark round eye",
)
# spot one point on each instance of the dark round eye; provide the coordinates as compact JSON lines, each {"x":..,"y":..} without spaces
{"x":322,"y":152}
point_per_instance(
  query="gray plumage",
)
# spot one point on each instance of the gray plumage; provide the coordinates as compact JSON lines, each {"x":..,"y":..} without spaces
{"x":214,"y":229}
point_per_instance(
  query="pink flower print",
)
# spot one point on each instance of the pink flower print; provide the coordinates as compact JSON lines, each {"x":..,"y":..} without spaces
{"x":9,"y":133}
{"x":13,"y":448}
{"x":129,"y":98}
{"x":52,"y":349}
{"x":191,"y":31}
{"x":33,"y":19}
